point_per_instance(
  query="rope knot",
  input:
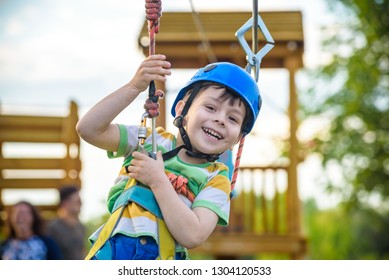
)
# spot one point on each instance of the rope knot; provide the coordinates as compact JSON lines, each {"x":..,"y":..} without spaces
{"x":180,"y":184}
{"x":151,"y":106}
{"x":153,"y":13}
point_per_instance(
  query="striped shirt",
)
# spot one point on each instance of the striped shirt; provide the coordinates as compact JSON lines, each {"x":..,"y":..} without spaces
{"x":208,"y":182}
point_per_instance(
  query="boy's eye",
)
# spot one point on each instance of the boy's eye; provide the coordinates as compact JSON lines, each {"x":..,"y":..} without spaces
{"x":233,"y":119}
{"x":209,"y":107}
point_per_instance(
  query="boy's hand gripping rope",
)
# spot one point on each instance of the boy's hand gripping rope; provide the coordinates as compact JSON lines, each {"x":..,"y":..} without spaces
{"x":151,"y":106}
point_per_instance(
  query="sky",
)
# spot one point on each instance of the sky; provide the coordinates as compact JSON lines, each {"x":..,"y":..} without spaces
{"x":54,"y":51}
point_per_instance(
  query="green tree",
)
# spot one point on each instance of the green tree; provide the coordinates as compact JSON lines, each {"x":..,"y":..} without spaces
{"x":337,"y":234}
{"x":352,"y":92}
{"x":328,"y":230}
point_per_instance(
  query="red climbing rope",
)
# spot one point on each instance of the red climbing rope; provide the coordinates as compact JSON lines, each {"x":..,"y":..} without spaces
{"x":153,"y":13}
{"x":237,"y":164}
{"x":151,"y":106}
{"x":180,"y":184}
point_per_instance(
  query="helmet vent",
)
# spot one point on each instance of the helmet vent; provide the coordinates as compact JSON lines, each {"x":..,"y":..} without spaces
{"x":210,"y":67}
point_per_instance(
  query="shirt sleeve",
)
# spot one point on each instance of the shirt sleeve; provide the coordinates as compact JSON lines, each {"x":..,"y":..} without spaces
{"x":127,"y":143}
{"x":216,"y":197}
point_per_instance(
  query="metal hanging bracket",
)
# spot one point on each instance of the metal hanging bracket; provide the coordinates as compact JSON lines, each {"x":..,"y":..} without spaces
{"x":254,"y":60}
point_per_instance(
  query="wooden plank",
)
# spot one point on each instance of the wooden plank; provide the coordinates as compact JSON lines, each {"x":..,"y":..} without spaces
{"x":182,"y":43}
{"x":236,"y":222}
{"x":283,"y":26}
{"x":276,"y":207}
{"x":69,"y":134}
{"x":197,"y":57}
{"x":31,"y":135}
{"x":40,"y":163}
{"x":41,"y":183}
{"x":264,"y":205}
{"x":244,"y":244}
{"x":33,"y":122}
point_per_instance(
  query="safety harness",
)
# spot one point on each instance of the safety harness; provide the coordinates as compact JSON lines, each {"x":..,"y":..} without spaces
{"x":144,"y":197}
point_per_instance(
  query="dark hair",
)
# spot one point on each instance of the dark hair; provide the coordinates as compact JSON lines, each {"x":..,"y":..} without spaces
{"x":67,"y":191}
{"x":37,"y":223}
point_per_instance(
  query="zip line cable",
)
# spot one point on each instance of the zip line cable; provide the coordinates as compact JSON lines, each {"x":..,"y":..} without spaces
{"x":203,"y":37}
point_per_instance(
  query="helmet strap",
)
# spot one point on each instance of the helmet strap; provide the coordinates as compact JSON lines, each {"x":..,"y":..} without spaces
{"x":208,"y":157}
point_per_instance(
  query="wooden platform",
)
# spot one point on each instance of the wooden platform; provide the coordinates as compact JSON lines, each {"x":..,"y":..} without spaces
{"x":182,"y":42}
{"x":231,"y":245}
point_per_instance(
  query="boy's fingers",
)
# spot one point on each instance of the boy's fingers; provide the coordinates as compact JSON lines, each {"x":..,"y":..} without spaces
{"x":159,"y":155}
{"x":139,"y":155}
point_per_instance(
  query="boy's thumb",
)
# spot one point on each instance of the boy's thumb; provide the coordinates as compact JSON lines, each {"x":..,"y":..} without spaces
{"x":159,"y":155}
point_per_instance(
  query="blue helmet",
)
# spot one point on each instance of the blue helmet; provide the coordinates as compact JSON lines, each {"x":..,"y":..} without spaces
{"x":234,"y":78}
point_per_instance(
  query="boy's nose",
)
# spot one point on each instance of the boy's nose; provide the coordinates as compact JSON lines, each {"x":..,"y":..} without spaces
{"x":219,"y":120}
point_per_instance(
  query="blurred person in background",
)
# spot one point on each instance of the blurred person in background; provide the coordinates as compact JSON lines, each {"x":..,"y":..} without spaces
{"x":67,"y":229}
{"x":25,"y":239}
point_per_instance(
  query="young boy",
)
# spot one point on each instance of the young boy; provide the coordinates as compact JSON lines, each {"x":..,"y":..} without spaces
{"x":184,"y":188}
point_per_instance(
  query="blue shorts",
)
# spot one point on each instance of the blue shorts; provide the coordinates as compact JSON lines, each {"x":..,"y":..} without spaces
{"x":122,"y":247}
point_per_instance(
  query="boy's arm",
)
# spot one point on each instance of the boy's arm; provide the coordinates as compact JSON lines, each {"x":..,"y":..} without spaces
{"x":96,"y":127}
{"x":190,"y":227}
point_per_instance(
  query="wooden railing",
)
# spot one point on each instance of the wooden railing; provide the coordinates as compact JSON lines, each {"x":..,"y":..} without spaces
{"x":260,"y":206}
{"x":260,"y":219}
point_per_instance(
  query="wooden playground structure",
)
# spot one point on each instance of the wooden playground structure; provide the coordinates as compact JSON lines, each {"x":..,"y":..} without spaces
{"x":32,"y":129}
{"x":258,"y":224}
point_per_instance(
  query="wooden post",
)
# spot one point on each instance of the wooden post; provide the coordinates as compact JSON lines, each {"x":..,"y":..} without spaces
{"x":161,"y":120}
{"x":294,"y":228}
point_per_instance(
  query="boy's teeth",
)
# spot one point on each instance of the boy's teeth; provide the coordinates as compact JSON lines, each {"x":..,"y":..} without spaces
{"x":212,"y":133}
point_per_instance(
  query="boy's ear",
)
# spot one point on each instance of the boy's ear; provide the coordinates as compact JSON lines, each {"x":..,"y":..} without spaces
{"x":179,"y":107}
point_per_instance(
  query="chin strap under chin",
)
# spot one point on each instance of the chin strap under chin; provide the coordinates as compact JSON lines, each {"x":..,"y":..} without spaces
{"x":208,"y":157}
{"x":174,"y":152}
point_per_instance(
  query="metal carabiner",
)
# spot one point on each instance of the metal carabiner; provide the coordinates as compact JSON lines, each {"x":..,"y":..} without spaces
{"x":142,"y":135}
{"x":142,"y":132}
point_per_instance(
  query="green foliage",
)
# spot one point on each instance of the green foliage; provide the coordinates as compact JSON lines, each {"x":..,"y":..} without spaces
{"x":337,"y":234}
{"x":351,"y":91}
{"x":328,"y":232}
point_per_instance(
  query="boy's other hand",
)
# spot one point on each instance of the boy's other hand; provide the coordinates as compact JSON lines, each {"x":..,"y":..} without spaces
{"x":153,"y":68}
{"x":147,"y":170}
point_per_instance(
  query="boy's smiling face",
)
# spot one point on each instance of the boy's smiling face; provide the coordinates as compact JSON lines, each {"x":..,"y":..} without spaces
{"x":214,"y":120}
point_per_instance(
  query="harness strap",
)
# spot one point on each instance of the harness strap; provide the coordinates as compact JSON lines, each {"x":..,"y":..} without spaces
{"x":166,"y":243}
{"x":104,"y":235}
{"x":142,"y":196}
